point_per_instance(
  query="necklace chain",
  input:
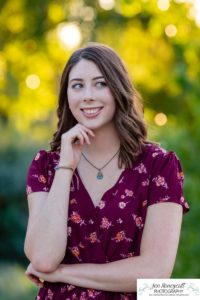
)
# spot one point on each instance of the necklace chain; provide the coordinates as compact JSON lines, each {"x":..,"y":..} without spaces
{"x":100,"y":174}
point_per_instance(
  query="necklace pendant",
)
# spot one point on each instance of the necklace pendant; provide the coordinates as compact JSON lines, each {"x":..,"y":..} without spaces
{"x":99,"y":175}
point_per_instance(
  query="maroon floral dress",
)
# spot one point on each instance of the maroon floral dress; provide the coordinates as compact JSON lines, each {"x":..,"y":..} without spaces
{"x":113,"y":229}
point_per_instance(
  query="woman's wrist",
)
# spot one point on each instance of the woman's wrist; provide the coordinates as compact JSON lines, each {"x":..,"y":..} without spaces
{"x":64,"y":167}
{"x":61,"y":273}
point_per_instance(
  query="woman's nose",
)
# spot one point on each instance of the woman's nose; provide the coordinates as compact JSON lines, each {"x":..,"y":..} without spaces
{"x":88,"y":95}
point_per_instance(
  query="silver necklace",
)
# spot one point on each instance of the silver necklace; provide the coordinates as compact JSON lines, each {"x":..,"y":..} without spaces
{"x":100,"y":173}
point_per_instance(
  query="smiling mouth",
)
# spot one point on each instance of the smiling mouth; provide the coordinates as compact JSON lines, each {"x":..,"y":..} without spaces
{"x":91,"y":112}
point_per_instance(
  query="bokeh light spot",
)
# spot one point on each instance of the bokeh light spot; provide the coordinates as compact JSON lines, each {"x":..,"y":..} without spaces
{"x":194,"y":12}
{"x":88,"y":13}
{"x":170,"y":30}
{"x":107,"y":4}
{"x":163,"y":4}
{"x":69,"y":34}
{"x":33,"y":81}
{"x":160,"y":119}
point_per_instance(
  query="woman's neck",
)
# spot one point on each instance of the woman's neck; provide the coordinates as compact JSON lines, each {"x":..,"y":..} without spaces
{"x":105,"y":143}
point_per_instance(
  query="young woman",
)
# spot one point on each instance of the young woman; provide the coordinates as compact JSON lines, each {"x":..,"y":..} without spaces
{"x":105,"y":204}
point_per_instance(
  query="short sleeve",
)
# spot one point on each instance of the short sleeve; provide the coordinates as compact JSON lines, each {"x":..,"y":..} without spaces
{"x":167,"y":178}
{"x":37,"y":174}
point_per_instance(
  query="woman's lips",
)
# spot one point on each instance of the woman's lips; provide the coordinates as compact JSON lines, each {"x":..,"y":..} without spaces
{"x":91,"y":112}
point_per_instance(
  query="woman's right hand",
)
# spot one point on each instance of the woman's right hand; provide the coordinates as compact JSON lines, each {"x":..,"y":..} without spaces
{"x":72,"y":143}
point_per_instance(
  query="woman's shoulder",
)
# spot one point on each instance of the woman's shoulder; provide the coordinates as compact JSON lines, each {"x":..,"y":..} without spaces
{"x":151,"y":147}
{"x":155,"y":154}
{"x":47,"y":155}
{"x":154,"y":149}
{"x":45,"y":159}
{"x":41,"y":170}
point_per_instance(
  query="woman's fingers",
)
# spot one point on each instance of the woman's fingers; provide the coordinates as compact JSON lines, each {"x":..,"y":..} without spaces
{"x":35,"y":279}
{"x":86,"y":132}
{"x":30,"y":274}
{"x":89,"y":131}
{"x":78,"y":133}
{"x":83,"y":136}
{"x":79,"y":137}
{"x":86,"y":137}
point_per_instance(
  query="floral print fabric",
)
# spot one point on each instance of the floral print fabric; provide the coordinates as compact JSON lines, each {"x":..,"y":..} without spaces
{"x":113,"y":229}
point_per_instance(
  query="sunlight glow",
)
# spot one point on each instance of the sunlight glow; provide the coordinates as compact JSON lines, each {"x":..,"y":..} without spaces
{"x":180,"y":1}
{"x":107,"y":4}
{"x":69,"y":34}
{"x":33,"y":81}
{"x":170,"y":30}
{"x":194,"y":10}
{"x":163,"y":4}
{"x":160,"y":119}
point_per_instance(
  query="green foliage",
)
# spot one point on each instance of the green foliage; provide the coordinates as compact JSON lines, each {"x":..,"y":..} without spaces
{"x":13,"y":204}
{"x":14,"y":285}
{"x":164,"y":67}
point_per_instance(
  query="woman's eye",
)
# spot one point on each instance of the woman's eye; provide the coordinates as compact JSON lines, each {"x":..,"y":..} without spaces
{"x":101,"y":83}
{"x":76,"y":85}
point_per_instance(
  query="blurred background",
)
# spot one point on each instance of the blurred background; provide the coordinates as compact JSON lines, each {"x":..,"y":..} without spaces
{"x":159,"y":42}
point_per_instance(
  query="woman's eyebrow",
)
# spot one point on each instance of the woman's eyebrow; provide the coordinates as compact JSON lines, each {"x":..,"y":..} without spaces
{"x":80,"y":79}
{"x":98,"y":77}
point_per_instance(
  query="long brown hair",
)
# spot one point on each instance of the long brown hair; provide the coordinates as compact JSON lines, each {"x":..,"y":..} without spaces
{"x":128,"y":117}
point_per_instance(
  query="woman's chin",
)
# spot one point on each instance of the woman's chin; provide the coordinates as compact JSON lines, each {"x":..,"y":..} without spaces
{"x":96,"y":125}
{"x":91,"y":125}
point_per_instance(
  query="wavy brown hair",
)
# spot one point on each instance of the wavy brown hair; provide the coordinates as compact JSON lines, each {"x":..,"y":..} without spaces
{"x":128,"y":117}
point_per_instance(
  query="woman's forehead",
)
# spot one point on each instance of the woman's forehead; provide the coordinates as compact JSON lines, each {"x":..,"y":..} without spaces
{"x":83,"y":69}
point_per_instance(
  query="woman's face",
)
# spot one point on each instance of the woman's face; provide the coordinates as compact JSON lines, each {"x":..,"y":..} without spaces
{"x":90,"y":99}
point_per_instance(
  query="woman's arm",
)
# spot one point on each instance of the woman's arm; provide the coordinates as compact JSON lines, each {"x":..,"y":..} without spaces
{"x":158,"y":252}
{"x":46,"y":238}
